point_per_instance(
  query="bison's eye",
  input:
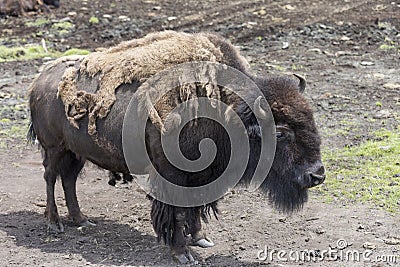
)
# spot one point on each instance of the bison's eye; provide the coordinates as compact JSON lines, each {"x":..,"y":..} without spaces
{"x":282,"y":132}
{"x":280,"y":136}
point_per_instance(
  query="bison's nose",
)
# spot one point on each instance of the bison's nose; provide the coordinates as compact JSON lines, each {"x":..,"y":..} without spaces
{"x":320,"y":170}
{"x":318,"y":175}
{"x":315,"y":175}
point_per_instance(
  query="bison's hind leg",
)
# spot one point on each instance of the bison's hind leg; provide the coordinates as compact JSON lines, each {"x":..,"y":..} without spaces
{"x":51,"y":159}
{"x":70,"y":167}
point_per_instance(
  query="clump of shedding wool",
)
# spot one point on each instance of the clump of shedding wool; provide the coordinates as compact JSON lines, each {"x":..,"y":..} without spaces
{"x":137,"y":60}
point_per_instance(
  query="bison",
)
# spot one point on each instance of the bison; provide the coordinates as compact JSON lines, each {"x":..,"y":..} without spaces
{"x":67,"y":141}
{"x":20,"y":7}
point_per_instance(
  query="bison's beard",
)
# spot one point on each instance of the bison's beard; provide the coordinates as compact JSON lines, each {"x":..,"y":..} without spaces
{"x":283,"y":194}
{"x":281,"y":186}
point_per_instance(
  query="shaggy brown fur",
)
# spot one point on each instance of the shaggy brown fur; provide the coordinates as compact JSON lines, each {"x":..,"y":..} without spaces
{"x":138,"y":60}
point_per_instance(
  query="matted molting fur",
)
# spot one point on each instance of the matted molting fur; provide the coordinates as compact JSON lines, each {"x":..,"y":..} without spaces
{"x":138,"y":60}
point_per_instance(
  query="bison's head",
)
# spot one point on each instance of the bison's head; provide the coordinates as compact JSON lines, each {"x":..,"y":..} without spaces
{"x":297,"y":164}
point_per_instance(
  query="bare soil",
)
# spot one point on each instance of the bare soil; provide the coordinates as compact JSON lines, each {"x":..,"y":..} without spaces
{"x":349,"y":53}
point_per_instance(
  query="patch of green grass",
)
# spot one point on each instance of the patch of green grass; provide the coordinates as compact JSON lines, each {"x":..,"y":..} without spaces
{"x":38,"y":23}
{"x":22,"y":53}
{"x":386,"y":47}
{"x":279,"y":68}
{"x":390,"y":45}
{"x":12,"y":130}
{"x":34,"y":52}
{"x":5,"y":120}
{"x":367,"y":173}
{"x":3,"y":144}
{"x":63,"y":25}
{"x":76,"y":51}
{"x":63,"y":28}
{"x":295,"y":67}
{"x":93,"y":20}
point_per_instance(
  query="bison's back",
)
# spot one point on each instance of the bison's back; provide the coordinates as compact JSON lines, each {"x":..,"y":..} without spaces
{"x":53,"y":129}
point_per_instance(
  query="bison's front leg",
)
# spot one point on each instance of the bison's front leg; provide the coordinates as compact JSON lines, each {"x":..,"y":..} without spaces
{"x":194,"y":229}
{"x":169,"y":223}
{"x":179,"y":244}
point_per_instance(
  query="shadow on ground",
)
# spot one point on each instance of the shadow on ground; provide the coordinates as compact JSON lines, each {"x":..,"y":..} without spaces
{"x":110,"y":243}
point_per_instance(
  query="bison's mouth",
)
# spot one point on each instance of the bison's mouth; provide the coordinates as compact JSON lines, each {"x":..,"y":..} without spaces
{"x":310,"y":179}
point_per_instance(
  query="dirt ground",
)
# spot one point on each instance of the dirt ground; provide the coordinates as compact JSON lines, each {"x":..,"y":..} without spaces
{"x":349,"y":53}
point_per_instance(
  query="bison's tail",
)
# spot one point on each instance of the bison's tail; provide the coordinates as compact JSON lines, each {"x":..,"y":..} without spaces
{"x":31,"y":135}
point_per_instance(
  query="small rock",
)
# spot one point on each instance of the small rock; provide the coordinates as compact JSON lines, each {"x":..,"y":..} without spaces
{"x":320,"y":231}
{"x":392,"y":241}
{"x":315,"y":50}
{"x":285,"y":45}
{"x":366,"y":63}
{"x":345,"y":53}
{"x":81,"y":241}
{"x":369,"y":245}
{"x":67,"y":256}
{"x":40,"y":204}
{"x":262,"y":12}
{"x":156,"y":8}
{"x":385,"y":148}
{"x":7,"y":31}
{"x":379,"y":76}
{"x":66,"y":19}
{"x":344,"y":38}
{"x":391,"y":86}
{"x":107,"y":16}
{"x":124,"y":18}
{"x":171,"y":18}
{"x":383,"y":114}
{"x":328,"y":53}
{"x":289,"y":7}
{"x":72,"y":13}
{"x":361,"y":227}
{"x":82,"y":229}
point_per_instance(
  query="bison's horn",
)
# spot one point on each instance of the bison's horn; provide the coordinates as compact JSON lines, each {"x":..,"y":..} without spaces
{"x":258,"y":110}
{"x":302,"y":83}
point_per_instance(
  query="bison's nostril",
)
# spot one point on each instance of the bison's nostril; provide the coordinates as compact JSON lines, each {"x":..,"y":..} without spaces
{"x":320,"y":170}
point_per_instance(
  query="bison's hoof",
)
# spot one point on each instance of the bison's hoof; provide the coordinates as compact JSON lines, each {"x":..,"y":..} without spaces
{"x":204,"y":243}
{"x":55,"y":228}
{"x":185,"y":258}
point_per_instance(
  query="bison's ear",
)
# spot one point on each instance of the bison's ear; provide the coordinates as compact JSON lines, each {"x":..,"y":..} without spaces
{"x":302,"y":82}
